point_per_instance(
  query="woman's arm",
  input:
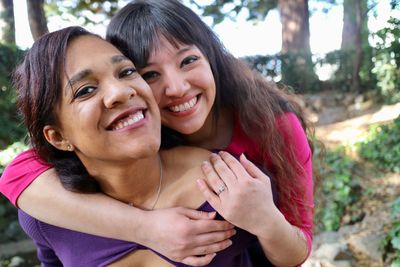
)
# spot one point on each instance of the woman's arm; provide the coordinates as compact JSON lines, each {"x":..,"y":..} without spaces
{"x":179,"y":234}
{"x":247,"y":202}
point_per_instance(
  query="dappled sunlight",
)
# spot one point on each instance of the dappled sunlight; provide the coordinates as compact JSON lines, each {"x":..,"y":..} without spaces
{"x":350,"y":131}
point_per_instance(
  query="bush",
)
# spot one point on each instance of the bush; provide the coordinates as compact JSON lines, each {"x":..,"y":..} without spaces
{"x":11,"y":129}
{"x":293,"y":70}
{"x":337,"y":192}
{"x":382,"y":146}
{"x":387,"y":61}
{"x":9,"y":153}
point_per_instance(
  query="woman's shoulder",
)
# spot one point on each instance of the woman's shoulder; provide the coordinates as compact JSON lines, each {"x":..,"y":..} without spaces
{"x":188,"y":155}
{"x":180,"y":180}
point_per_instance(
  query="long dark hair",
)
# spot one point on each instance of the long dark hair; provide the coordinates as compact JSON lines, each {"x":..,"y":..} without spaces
{"x":136,"y":30}
{"x":38,"y":81}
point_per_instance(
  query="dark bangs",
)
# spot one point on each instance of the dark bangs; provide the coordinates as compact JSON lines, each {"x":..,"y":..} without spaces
{"x":137,"y":28}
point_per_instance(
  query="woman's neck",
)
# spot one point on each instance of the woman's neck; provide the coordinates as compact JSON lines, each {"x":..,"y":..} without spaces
{"x":213,"y":135}
{"x":136,"y":182}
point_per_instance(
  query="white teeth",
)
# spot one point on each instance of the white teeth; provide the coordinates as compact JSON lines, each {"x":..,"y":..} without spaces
{"x":131,"y":119}
{"x":184,"y":106}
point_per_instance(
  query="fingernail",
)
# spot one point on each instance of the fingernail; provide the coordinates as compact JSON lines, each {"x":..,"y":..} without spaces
{"x":212,"y":213}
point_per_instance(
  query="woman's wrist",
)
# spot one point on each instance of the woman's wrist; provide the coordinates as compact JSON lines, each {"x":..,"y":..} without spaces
{"x":280,"y":239}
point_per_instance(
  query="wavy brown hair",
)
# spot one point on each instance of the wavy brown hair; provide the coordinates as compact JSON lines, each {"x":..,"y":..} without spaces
{"x":136,"y":30}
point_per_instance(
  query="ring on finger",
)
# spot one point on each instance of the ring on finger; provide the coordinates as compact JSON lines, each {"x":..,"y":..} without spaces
{"x":221,"y":189}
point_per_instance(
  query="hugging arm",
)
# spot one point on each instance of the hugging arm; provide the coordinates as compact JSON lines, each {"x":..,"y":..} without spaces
{"x":247,"y":202}
{"x":178,"y":233}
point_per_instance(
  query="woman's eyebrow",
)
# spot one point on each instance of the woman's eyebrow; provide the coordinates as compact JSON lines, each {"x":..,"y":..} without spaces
{"x":118,"y":58}
{"x":85,"y":73}
{"x":77,"y":77}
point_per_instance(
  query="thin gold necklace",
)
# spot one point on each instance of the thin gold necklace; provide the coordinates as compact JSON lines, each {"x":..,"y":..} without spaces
{"x":159,"y":185}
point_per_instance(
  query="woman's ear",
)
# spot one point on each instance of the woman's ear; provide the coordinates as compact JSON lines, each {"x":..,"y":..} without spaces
{"x":54,"y":136}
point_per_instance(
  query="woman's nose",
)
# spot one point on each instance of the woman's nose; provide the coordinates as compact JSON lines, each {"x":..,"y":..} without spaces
{"x":118,"y":94}
{"x":175,"y":85}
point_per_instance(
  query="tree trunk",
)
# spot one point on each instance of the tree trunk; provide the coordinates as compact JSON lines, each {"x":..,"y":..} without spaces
{"x":351,"y":46}
{"x":297,"y":66}
{"x":7,"y":23}
{"x":37,"y":18}
{"x":295,"y":26}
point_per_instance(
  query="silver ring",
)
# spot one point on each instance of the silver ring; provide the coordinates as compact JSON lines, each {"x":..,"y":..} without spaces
{"x":221,"y":189}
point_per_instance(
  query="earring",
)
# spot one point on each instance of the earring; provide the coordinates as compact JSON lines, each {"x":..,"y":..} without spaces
{"x":69,"y":147}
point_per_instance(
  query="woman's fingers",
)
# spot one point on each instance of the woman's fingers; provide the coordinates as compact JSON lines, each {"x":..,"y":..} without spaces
{"x":212,"y":248}
{"x":214,"y":181}
{"x":223,"y":170}
{"x":213,"y":238}
{"x":199,"y":215}
{"x":199,"y":260}
{"x":233,"y":164}
{"x":252,"y":169}
{"x":210,"y":195}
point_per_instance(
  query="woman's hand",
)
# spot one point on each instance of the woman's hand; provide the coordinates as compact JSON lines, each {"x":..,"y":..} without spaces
{"x":239,"y":191}
{"x":188,"y":236}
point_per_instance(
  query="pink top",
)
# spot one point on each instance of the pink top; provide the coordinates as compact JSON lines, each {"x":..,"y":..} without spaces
{"x":26,"y":167}
{"x":294,"y":135}
{"x":20,"y":173}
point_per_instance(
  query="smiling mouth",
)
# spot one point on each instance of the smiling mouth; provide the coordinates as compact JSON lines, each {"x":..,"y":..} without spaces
{"x":127,"y":121}
{"x":184,"y":106}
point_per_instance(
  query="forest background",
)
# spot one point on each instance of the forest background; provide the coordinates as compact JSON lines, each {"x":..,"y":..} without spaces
{"x":361,"y":76}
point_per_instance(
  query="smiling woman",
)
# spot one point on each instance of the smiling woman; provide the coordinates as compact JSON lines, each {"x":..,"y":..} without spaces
{"x":104,"y":136}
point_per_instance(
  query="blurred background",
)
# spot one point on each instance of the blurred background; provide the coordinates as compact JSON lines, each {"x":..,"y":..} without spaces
{"x":342,"y":60}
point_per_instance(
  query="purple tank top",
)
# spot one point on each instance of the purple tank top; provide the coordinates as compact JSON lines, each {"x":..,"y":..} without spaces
{"x":62,"y":247}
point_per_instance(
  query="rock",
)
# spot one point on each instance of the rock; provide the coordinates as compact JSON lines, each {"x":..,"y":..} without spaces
{"x":366,"y":245}
{"x":330,"y":251}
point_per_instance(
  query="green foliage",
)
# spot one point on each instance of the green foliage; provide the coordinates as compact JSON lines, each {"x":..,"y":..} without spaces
{"x":387,"y":61}
{"x":10,"y":229}
{"x":291,"y":69}
{"x":268,"y":66}
{"x":391,"y":242}
{"x":382,"y":146}
{"x":219,"y":10}
{"x":88,"y":11}
{"x":298,"y":72}
{"x":11,"y":129}
{"x":10,"y":152}
{"x":9,"y":226}
{"x":343,"y":65}
{"x":336,"y":192}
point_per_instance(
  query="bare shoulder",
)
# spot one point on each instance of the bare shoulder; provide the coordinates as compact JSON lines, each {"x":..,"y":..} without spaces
{"x":188,"y":155}
{"x":180,"y":178}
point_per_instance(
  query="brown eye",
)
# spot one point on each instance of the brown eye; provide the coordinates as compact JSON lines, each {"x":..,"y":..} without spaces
{"x":84,"y":91}
{"x":150,"y":75}
{"x":189,"y":60}
{"x":127,"y":72}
